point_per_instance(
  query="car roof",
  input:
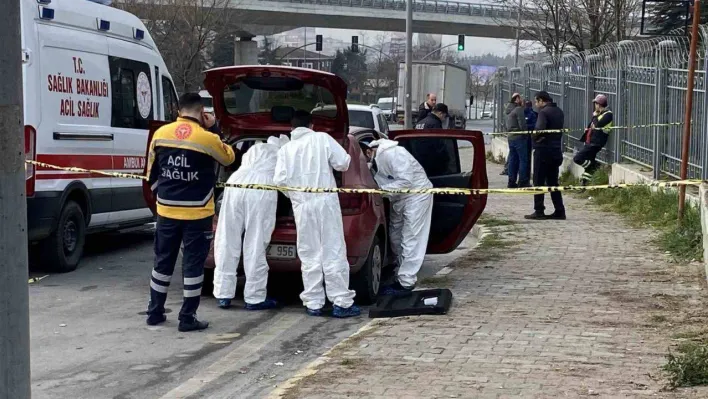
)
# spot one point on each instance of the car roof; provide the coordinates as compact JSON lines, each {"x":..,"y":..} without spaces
{"x":359,"y":107}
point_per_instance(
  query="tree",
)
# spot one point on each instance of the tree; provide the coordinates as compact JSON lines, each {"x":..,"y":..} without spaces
{"x":481,"y":86}
{"x":562,"y":26}
{"x":269,"y":52}
{"x":667,"y":16}
{"x":351,"y":67}
{"x":186,"y":33}
{"x":222,"y":51}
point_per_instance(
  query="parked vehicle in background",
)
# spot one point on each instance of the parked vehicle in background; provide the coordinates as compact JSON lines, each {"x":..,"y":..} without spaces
{"x":447,"y":81}
{"x":93,"y":79}
{"x":253,"y":103}
{"x":390,"y":108}
{"x":368,"y":116}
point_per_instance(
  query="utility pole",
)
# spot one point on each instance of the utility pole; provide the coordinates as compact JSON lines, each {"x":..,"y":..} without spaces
{"x":408,"y":84}
{"x":518,"y":33}
{"x":14,"y":297}
{"x":685,"y":144}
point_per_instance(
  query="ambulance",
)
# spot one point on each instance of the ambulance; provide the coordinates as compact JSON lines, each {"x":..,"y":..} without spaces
{"x":93,"y":80}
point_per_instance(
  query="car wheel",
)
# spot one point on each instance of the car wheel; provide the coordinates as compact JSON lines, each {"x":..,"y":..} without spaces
{"x":62,"y":250}
{"x":367,"y":281}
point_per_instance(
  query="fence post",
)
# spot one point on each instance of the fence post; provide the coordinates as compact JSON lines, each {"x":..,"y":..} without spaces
{"x":620,"y":106}
{"x":563,"y":78}
{"x":704,"y":154}
{"x":662,"y":75}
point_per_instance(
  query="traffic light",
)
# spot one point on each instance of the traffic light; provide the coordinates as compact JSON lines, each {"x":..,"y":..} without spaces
{"x":460,"y":42}
{"x":355,"y":44}
{"x":318,"y":43}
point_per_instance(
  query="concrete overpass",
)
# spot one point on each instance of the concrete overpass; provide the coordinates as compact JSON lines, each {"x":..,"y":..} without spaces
{"x":430,"y":16}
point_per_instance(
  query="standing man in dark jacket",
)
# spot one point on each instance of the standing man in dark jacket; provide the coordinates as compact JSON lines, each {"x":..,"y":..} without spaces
{"x":427,"y":107}
{"x":548,"y":156}
{"x":436,"y":159}
{"x":595,"y":137}
{"x":518,"y":144}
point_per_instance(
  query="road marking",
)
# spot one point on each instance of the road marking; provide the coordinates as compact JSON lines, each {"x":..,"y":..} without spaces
{"x":36,"y":279}
{"x":313,"y":367}
{"x":230,"y":362}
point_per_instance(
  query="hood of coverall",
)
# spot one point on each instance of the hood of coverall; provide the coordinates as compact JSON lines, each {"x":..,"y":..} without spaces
{"x":383,"y":145}
{"x":260,"y":158}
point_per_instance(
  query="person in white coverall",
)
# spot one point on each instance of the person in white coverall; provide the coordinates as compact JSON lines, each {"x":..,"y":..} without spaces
{"x":307,"y":161}
{"x":411,"y":214}
{"x":251,"y":214}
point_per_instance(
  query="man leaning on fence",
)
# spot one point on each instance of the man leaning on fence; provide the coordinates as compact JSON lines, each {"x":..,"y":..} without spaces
{"x":548,"y":156}
{"x":594,"y":138}
{"x":518,"y":143}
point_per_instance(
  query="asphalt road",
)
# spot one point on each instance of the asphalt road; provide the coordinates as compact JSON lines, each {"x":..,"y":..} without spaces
{"x":89,"y":338}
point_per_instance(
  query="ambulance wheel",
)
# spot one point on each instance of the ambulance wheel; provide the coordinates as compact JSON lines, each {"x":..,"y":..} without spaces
{"x":63,"y":249}
{"x":367,"y":281}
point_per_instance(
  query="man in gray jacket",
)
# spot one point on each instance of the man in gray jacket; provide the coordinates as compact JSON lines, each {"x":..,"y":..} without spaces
{"x":518,"y":143}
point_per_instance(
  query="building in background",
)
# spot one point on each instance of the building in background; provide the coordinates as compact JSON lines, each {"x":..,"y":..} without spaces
{"x":301,"y":58}
{"x":296,"y":37}
{"x":427,"y":45}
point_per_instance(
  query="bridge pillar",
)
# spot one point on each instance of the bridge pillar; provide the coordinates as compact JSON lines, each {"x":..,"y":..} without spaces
{"x":245,"y":51}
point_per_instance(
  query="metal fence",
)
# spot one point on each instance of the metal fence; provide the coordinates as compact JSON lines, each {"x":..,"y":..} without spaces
{"x":645,"y":83}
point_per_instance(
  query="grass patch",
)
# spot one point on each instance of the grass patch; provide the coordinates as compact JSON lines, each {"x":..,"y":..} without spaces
{"x":490,"y":221}
{"x":350,"y":362}
{"x":688,"y":366}
{"x":443,"y":280}
{"x":658,"y":318}
{"x":660,"y":210}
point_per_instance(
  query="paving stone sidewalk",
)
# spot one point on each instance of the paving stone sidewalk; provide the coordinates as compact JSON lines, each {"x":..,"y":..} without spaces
{"x":580,"y":308}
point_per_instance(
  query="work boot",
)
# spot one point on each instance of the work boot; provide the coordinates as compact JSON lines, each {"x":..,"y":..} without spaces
{"x":556,"y":216}
{"x":194,"y":325}
{"x":265,"y":305}
{"x":154,"y":320}
{"x":224,"y":303}
{"x":536,"y":216}
{"x":342,"y":313}
{"x":314,"y":312}
{"x":394,"y":289}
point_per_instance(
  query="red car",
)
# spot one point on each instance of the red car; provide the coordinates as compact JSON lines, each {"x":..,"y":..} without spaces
{"x":253,"y":103}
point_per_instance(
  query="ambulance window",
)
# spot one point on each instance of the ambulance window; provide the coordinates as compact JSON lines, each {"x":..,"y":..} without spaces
{"x":132,"y":93}
{"x":170,"y":101}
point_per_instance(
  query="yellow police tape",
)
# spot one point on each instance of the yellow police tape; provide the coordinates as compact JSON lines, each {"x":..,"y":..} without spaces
{"x":437,"y":191}
{"x":568,"y":130}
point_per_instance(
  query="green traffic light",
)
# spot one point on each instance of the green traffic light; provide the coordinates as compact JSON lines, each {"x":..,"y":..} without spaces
{"x":460,"y":48}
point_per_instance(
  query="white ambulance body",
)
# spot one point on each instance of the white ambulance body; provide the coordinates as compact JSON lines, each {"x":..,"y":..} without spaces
{"x":93,"y":80}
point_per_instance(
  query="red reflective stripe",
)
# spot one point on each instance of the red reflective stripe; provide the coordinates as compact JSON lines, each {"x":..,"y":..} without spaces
{"x":71,"y":176}
{"x":95,"y":162}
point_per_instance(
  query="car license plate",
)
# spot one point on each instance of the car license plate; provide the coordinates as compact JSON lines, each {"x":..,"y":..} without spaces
{"x":282,"y":251}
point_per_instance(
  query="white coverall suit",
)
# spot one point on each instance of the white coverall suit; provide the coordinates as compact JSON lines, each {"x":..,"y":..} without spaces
{"x":252,"y":211}
{"x":307,"y":161}
{"x":411,"y":214}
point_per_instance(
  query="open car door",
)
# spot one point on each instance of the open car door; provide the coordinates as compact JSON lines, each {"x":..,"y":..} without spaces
{"x":147,"y":192}
{"x":451,"y":158}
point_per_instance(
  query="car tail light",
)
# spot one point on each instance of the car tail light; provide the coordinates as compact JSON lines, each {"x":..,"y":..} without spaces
{"x":30,"y":153}
{"x":352,"y":204}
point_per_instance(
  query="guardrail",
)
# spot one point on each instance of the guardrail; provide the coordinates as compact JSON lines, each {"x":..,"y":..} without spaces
{"x":427,"y":6}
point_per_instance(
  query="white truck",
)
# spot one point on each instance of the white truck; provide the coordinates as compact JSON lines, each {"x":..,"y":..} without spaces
{"x":449,"y":82}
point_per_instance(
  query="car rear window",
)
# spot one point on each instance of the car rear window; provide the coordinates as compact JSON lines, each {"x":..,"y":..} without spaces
{"x":361,"y":119}
{"x":263,"y":94}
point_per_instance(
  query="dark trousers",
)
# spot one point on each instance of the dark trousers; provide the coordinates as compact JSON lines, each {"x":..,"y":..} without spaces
{"x":169,"y":235}
{"x":519,"y":163}
{"x":586,"y":158}
{"x":546,"y":167}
